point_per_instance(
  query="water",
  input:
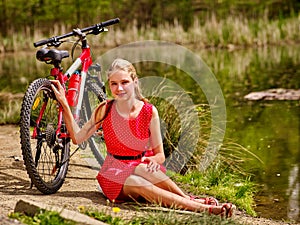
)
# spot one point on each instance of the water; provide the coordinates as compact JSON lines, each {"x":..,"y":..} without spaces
{"x":269,"y":129}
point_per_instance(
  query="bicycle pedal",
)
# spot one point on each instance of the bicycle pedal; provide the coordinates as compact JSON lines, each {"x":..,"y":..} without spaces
{"x":83,"y":145}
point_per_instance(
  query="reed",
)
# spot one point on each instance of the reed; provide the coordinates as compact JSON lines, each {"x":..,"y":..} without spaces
{"x":10,"y":108}
{"x":230,"y":32}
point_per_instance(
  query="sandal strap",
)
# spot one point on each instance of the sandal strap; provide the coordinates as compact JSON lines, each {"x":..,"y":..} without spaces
{"x":228,"y":208}
{"x":213,"y":200}
{"x":207,"y":200}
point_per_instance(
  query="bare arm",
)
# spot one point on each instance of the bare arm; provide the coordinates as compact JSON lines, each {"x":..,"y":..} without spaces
{"x":156,"y":140}
{"x":77,"y":135}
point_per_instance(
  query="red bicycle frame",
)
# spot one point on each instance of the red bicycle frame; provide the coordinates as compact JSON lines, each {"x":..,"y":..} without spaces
{"x":85,"y":61}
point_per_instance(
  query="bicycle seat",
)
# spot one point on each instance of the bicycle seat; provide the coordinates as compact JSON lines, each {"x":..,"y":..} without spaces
{"x":45,"y":55}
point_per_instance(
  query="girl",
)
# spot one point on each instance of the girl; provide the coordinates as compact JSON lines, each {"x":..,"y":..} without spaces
{"x":133,"y":166}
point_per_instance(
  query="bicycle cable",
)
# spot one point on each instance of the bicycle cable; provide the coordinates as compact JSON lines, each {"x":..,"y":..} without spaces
{"x":74,"y":47}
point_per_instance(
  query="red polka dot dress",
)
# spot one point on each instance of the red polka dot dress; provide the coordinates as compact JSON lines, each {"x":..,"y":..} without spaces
{"x":124,"y":138}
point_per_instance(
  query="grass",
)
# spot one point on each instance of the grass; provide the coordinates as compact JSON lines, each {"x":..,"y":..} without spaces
{"x":155,"y":216}
{"x":229,"y":32}
{"x":152,"y":217}
{"x":10,"y":106}
{"x":221,"y":182}
{"x":42,"y":218}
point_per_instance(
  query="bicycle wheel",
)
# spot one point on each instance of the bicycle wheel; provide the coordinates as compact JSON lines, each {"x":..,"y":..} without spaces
{"x":92,"y":97}
{"x":46,"y":156}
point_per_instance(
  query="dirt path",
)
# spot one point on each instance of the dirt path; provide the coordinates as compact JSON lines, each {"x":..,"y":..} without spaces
{"x":79,"y":188}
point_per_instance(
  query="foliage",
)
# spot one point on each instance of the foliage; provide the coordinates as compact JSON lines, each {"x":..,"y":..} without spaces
{"x":42,"y":218}
{"x":42,"y":14}
{"x":223,"y":183}
{"x":103,"y":216}
{"x":158,"y":216}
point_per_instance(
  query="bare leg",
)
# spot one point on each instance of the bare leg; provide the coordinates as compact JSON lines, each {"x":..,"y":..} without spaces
{"x":161,"y":180}
{"x":136,"y":186}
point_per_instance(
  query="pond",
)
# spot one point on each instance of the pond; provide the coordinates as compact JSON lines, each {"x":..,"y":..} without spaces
{"x":268,"y":129}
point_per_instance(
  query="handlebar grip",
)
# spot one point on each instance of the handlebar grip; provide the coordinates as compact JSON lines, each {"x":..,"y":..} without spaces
{"x":40,"y":43}
{"x":110,"y":22}
{"x":101,"y":25}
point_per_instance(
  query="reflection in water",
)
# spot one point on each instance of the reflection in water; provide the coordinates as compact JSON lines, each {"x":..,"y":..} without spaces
{"x":294,"y":194}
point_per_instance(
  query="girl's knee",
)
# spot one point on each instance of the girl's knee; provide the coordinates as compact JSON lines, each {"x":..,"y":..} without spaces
{"x":134,"y":186}
{"x":136,"y":181}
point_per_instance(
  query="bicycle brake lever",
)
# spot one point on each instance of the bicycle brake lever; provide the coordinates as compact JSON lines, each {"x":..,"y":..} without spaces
{"x":98,"y":29}
{"x":54,"y":42}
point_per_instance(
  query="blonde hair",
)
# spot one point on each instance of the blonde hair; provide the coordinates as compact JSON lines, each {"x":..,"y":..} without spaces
{"x":126,"y":66}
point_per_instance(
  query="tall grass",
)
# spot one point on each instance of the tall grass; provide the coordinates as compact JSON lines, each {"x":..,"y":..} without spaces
{"x":224,"y":178}
{"x":229,"y":32}
{"x":10,"y":108}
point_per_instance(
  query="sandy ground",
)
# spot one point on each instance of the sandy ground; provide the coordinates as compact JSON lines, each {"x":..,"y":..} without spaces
{"x":79,"y":188}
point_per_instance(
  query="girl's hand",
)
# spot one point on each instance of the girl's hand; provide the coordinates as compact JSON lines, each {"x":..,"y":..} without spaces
{"x":58,"y":91}
{"x":152,"y":165}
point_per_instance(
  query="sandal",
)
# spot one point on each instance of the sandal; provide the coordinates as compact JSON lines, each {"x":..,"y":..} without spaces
{"x":227,"y":210}
{"x":207,"y":201}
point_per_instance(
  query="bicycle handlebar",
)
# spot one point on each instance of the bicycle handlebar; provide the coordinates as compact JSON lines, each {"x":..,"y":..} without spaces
{"x":96,"y":27}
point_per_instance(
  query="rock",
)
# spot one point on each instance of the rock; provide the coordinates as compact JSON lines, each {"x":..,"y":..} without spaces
{"x":274,"y":94}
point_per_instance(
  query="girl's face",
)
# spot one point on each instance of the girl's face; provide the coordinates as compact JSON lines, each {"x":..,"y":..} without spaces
{"x":121,"y":85}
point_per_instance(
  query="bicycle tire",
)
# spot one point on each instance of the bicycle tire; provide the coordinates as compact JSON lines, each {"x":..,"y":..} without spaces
{"x":46,"y":157}
{"x":92,"y":97}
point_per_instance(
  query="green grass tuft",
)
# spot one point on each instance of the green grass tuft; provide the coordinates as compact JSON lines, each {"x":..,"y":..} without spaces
{"x":42,"y":218}
{"x":157,"y":217}
{"x":222,"y":183}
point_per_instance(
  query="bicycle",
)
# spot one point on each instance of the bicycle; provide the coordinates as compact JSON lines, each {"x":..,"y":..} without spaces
{"x":45,"y":141}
